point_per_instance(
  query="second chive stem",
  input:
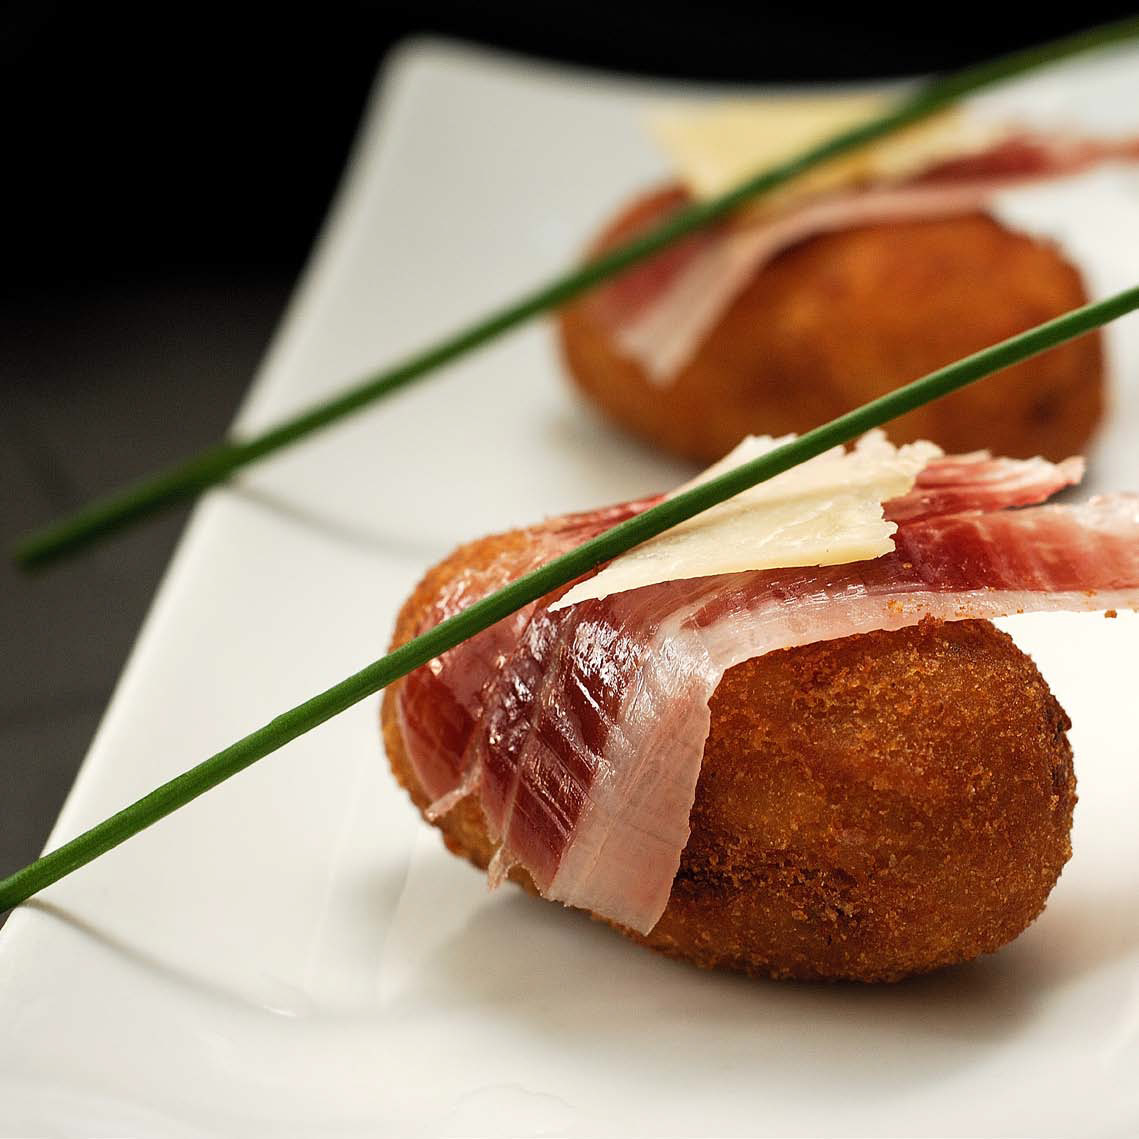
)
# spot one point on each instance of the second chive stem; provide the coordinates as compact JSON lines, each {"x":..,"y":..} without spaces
{"x":482,"y":614}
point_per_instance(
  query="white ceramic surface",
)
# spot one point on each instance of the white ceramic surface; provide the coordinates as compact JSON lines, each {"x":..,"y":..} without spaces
{"x":295,"y":954}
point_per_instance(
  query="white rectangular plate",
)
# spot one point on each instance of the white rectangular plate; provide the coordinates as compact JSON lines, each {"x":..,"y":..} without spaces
{"x":295,"y":953}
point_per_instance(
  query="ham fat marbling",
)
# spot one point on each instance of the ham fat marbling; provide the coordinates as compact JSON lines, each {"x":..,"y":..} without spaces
{"x":581,"y":731}
{"x":661,"y":311}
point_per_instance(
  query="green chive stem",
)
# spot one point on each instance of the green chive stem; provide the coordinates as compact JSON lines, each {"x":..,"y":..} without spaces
{"x":190,"y":784}
{"x":187,"y":479}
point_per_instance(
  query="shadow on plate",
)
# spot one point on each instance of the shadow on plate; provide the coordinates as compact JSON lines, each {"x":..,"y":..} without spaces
{"x":358,"y":538}
{"x":578,"y":983}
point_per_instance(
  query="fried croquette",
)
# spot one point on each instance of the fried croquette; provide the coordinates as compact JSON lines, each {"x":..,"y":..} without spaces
{"x":867,"y":808}
{"x":846,"y":316}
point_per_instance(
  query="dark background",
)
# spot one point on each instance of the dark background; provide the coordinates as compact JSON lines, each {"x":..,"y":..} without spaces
{"x":165,"y":169}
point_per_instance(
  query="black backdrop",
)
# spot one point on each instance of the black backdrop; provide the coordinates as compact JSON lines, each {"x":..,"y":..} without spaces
{"x":169,"y":136}
{"x":163,"y":171}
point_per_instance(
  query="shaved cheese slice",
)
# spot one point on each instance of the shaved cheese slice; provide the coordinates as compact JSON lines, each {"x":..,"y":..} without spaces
{"x":826,"y":511}
{"x":716,"y":146}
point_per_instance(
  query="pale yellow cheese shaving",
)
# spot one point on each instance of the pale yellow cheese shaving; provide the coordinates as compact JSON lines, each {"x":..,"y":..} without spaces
{"x":715,"y":146}
{"x":826,"y":511}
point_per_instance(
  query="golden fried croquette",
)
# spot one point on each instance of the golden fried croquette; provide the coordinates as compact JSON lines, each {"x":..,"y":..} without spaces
{"x":843,"y":317}
{"x":867,"y":808}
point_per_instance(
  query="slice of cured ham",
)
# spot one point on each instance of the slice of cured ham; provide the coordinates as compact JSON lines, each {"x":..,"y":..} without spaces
{"x":661,"y":311}
{"x":581,"y":730}
{"x":953,"y":484}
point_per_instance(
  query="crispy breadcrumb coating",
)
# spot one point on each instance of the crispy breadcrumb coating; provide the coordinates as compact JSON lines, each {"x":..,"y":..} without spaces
{"x":843,"y":317}
{"x":867,"y":808}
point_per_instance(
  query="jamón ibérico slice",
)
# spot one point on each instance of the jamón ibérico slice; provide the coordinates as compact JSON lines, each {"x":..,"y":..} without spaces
{"x":957,"y":483}
{"x":581,"y":731}
{"x":661,"y":310}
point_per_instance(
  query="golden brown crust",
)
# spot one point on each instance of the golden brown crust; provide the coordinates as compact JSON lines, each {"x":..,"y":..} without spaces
{"x":846,"y":316}
{"x":867,"y":808}
{"x":907,"y":807}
